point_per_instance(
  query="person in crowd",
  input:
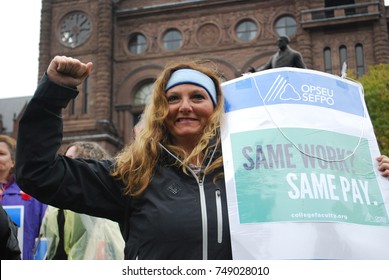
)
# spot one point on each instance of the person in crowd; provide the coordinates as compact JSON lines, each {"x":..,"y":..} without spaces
{"x":11,"y":195}
{"x":9,"y":243}
{"x":284,"y":57}
{"x":166,"y":189}
{"x":75,"y":236}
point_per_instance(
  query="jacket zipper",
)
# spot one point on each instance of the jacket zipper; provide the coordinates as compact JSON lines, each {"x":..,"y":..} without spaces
{"x":219,"y":214}
{"x":203,"y":205}
{"x":204,"y":218}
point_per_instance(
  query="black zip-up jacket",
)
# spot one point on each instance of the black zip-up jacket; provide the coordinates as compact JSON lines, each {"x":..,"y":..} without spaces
{"x":9,"y":244}
{"x":179,"y":216}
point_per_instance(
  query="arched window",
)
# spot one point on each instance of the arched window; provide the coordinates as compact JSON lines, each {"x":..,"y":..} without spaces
{"x":246,"y":30}
{"x":360,"y":62}
{"x":286,"y":25}
{"x":137,"y":43}
{"x":143,"y":92}
{"x":327,"y":60}
{"x":172,"y":39}
{"x":342,"y":55}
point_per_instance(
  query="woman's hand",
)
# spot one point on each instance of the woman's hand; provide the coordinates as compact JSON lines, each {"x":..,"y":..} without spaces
{"x":68,"y":71}
{"x":383,"y":165}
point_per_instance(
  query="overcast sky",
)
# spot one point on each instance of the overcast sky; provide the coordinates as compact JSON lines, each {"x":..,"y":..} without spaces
{"x":20,"y":27}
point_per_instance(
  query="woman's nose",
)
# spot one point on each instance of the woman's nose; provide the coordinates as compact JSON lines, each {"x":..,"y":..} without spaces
{"x":185,"y":106}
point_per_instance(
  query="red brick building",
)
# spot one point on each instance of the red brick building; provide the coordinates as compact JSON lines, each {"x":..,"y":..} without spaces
{"x":129,"y":43}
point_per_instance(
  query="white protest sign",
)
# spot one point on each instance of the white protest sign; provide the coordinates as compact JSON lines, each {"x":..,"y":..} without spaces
{"x":300,"y":168}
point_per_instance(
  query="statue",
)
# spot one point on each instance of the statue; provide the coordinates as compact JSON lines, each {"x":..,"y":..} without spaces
{"x":285,"y":57}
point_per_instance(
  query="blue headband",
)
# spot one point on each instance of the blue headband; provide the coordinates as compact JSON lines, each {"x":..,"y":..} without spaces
{"x":190,"y":76}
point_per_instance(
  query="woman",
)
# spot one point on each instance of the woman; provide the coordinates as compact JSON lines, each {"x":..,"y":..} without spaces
{"x":11,"y":195}
{"x":166,"y":190}
{"x":77,"y":236}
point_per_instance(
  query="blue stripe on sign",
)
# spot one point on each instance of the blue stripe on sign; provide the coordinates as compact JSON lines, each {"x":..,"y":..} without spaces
{"x":306,"y":87}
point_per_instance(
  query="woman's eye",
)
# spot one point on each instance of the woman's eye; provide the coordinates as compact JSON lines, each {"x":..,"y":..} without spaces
{"x":172,"y":98}
{"x":198,"y":97}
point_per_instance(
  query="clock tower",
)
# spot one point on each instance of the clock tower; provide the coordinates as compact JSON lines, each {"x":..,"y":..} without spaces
{"x":84,"y":30}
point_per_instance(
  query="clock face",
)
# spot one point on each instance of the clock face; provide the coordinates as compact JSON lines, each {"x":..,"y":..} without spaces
{"x":75,"y":28}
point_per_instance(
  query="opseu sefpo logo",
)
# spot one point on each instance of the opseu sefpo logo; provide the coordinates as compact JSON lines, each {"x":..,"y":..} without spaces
{"x":317,"y":94}
{"x":308,"y":92}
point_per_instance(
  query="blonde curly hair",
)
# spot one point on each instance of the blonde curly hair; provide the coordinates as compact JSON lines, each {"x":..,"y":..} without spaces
{"x":135,"y":164}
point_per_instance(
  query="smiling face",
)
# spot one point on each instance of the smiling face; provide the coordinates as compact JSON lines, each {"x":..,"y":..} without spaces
{"x":6,"y":161}
{"x":190,"y":108}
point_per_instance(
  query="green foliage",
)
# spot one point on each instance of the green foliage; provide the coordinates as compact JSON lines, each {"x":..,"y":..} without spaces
{"x":376,"y":86}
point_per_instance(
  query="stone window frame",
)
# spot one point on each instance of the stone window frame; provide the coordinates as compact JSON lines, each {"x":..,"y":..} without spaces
{"x":137,"y":47}
{"x":143,"y":92}
{"x":284,"y":26}
{"x":327,"y":60}
{"x":165,"y":42}
{"x":359,"y":59}
{"x":245,"y":21}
